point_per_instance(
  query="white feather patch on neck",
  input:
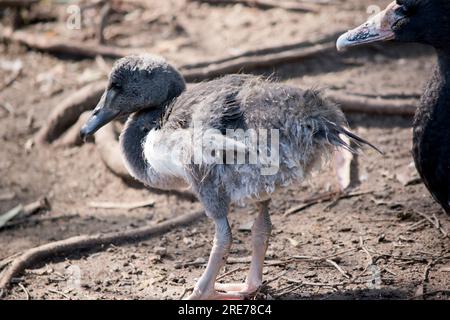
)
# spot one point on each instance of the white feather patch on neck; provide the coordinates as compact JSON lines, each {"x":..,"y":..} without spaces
{"x":165,"y":152}
{"x":171,"y":153}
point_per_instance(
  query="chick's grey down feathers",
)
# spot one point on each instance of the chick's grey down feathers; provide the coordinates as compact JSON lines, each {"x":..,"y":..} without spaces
{"x":310,"y":127}
{"x":170,"y":128}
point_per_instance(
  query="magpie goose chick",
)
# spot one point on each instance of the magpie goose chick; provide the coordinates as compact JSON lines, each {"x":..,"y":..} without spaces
{"x":234,"y":138}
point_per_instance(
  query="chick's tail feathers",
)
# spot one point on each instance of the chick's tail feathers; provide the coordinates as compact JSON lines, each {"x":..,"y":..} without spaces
{"x":333,"y":133}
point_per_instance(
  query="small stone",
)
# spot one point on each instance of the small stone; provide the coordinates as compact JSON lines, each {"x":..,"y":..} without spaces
{"x":310,"y":274}
{"x":155,"y":258}
{"x":115,"y":269}
{"x":246,"y":227}
{"x":293,"y":242}
{"x":133,"y":256}
{"x":107,"y":283}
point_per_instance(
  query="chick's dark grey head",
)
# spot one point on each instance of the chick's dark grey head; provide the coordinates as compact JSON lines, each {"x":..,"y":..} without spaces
{"x":135,"y":83}
{"x":423,"y":21}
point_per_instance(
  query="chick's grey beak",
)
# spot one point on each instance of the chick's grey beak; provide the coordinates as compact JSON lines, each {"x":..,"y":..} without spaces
{"x":378,"y":28}
{"x":102,"y":114}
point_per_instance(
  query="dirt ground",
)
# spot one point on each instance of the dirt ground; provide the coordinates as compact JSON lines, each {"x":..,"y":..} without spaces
{"x":385,"y":219}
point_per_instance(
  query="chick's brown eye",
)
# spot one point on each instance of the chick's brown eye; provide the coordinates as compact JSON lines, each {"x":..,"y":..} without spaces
{"x":115,"y":85}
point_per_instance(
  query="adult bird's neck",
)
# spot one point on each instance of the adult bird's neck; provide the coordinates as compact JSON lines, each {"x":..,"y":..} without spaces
{"x":436,"y":97}
{"x":432,"y":132}
{"x":433,"y":114}
{"x":443,"y":67}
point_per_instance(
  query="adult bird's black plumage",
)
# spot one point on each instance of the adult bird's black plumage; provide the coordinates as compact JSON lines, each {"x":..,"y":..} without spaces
{"x":427,"y":22}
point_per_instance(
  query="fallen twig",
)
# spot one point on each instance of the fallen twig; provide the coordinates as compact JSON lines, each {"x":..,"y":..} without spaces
{"x":30,"y":221}
{"x":33,"y":207}
{"x":310,"y":202}
{"x":339,"y":268}
{"x":370,"y":262}
{"x":120,"y":205}
{"x":8,"y":107}
{"x":25,"y":290}
{"x":23,"y":211}
{"x":275,"y":278}
{"x":62,"y":247}
{"x":237,"y":269}
{"x":267,"y":4}
{"x":369,"y":256}
{"x":323,"y":198}
{"x":15,"y":70}
{"x":417,"y":225}
{"x":60,"y":293}
{"x":422,"y":290}
{"x":434,"y":222}
{"x":10,"y":214}
{"x":314,"y":284}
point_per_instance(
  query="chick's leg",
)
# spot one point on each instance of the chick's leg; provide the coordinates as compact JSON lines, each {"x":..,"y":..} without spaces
{"x":204,"y":289}
{"x":261,"y":230}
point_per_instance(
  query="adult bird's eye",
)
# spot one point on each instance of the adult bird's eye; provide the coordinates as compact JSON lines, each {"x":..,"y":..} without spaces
{"x":404,"y":10}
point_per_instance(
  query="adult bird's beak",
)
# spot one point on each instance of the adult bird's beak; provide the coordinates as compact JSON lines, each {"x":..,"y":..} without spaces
{"x":378,"y":28}
{"x":102,"y":114}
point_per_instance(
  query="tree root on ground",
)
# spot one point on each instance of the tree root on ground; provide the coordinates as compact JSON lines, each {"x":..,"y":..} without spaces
{"x":267,"y":4}
{"x":54,"y":45}
{"x":38,"y":254}
{"x":72,"y":138}
{"x":350,"y":103}
{"x":68,"y":112}
{"x":248,"y":63}
{"x":17,"y":3}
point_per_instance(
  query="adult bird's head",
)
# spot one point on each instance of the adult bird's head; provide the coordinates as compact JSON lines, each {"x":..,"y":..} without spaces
{"x":135,"y":83}
{"x":423,"y":21}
